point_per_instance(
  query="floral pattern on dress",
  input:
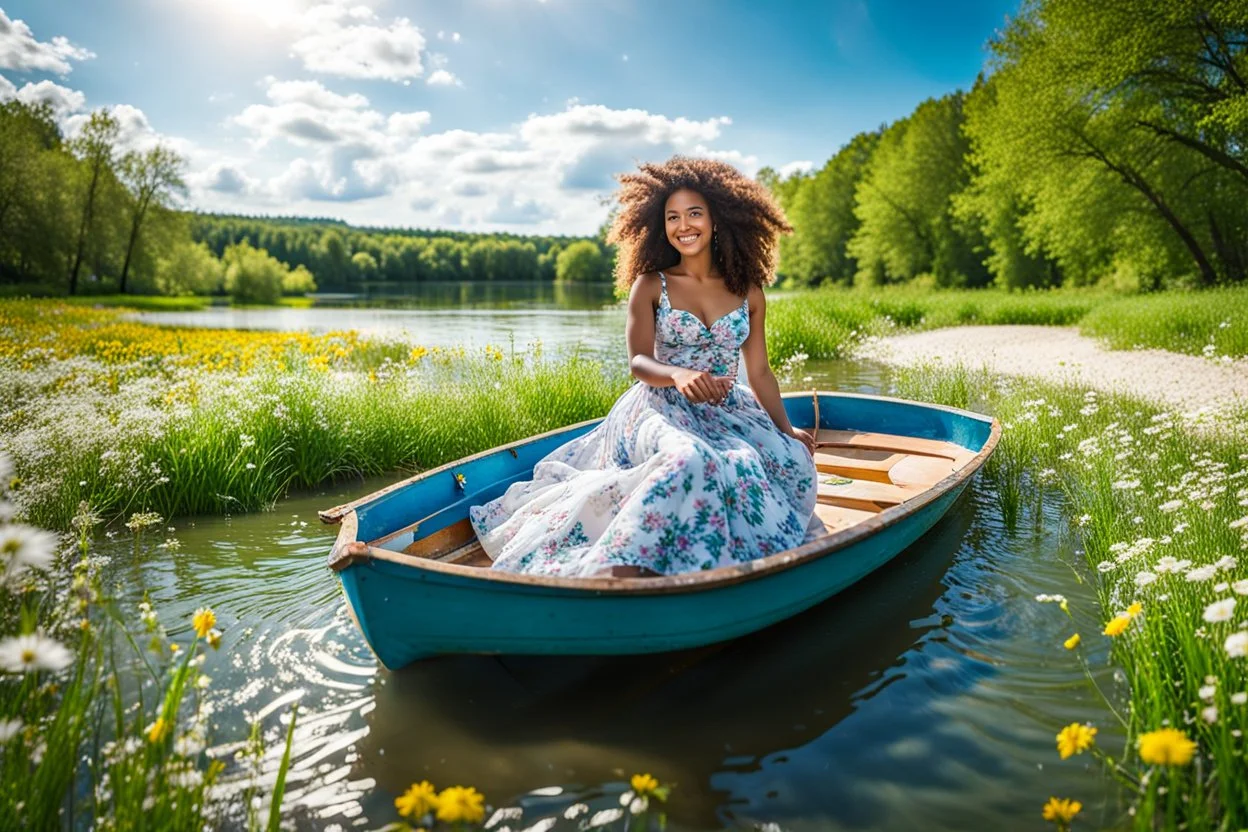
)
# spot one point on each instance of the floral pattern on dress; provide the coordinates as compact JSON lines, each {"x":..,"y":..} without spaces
{"x":661,"y":482}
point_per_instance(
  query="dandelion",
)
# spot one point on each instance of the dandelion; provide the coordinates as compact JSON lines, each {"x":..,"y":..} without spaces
{"x":1166,"y":747}
{"x":203,"y":621}
{"x":1117,"y":625}
{"x":459,"y":804}
{"x":1135,"y":609}
{"x":1220,"y":611}
{"x":644,"y":784}
{"x":1237,"y":644}
{"x":419,"y":800}
{"x":1061,"y":811}
{"x":1075,"y":739}
{"x":34,"y":651}
{"x":1072,"y":642}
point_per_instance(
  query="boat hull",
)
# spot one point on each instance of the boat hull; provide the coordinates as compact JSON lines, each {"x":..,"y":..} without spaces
{"x":413,"y":614}
{"x":410,"y":608}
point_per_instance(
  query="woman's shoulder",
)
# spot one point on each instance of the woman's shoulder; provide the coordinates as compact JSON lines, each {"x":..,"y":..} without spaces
{"x":647,"y":286}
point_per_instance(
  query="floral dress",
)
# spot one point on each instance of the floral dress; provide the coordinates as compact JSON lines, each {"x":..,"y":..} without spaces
{"x":662,"y":483}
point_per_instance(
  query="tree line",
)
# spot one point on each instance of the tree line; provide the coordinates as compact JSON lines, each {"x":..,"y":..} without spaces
{"x":1108,"y":143}
{"x":82,"y":215}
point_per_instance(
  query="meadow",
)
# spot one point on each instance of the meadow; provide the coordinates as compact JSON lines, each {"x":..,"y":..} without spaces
{"x":109,"y":420}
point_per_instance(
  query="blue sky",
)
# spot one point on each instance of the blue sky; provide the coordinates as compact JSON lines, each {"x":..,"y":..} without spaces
{"x":481,"y":114}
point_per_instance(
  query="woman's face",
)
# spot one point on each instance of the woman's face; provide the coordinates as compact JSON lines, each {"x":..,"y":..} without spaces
{"x":688,"y":222}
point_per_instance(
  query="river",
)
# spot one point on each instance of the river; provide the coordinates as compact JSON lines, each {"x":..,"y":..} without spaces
{"x":927,"y":696}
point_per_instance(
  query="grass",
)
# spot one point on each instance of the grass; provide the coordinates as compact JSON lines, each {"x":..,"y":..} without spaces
{"x":830,"y":323}
{"x":1161,"y":506}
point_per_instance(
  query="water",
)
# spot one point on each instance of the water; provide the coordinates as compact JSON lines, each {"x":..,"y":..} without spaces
{"x":927,"y":696}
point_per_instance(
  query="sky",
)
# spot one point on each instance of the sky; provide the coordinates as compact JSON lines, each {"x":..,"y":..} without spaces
{"x":481,"y":115}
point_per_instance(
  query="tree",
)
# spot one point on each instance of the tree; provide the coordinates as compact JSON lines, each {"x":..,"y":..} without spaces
{"x":153,"y":178}
{"x":364,"y":266}
{"x":582,"y":262}
{"x":189,"y":269}
{"x":252,"y":275}
{"x":904,"y":201}
{"x":298,"y":281}
{"x":95,"y":148}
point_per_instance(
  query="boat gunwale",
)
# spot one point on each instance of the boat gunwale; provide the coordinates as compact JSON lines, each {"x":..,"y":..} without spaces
{"x":344,"y":555}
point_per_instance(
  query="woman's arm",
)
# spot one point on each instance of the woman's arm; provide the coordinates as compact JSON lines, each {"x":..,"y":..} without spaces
{"x":696,"y":385}
{"x":762,"y":379}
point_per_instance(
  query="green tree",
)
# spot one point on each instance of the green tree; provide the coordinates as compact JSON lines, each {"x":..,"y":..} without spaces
{"x":95,"y":147}
{"x":363,"y":266}
{"x":153,"y":178}
{"x":298,"y":281}
{"x":582,"y":262}
{"x":189,"y":269}
{"x":252,"y":275}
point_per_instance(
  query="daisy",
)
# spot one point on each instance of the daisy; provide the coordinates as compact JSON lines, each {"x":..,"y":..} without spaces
{"x":21,"y":654}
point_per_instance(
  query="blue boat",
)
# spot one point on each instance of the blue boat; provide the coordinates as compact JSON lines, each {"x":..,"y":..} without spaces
{"x":418,"y":583}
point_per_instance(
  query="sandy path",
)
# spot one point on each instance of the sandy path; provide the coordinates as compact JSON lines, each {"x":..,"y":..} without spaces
{"x":1184,"y":382}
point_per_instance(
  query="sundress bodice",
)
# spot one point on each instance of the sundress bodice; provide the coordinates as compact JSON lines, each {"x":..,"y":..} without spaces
{"x":682,"y":340}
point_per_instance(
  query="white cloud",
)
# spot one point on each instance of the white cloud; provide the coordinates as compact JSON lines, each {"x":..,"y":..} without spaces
{"x":798,"y":166}
{"x":545,"y":174}
{"x":442,"y":78}
{"x":62,"y":100}
{"x":20,"y":51}
{"x":337,"y":40}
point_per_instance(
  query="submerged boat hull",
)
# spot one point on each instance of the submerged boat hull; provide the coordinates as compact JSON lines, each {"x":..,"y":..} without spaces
{"x":410,"y":608}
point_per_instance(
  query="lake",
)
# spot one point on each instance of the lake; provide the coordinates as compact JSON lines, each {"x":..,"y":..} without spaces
{"x":927,"y":696}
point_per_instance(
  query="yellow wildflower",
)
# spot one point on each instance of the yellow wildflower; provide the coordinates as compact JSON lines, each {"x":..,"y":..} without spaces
{"x":1072,"y":642}
{"x":459,"y":804}
{"x":1117,"y":625}
{"x":419,"y":800}
{"x":1061,"y":811}
{"x":1135,"y":609}
{"x":1166,"y":747}
{"x":644,"y":785}
{"x":204,"y":620}
{"x":1075,"y":739}
{"x":157,"y":730}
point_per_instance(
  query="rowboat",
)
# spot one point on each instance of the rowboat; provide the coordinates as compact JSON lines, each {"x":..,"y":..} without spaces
{"x":418,"y":583}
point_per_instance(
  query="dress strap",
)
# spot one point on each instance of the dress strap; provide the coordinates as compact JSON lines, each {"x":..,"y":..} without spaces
{"x":663,"y":291}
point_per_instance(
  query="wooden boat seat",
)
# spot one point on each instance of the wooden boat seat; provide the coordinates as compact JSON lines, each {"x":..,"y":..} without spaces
{"x":864,"y":494}
{"x":840,"y":439}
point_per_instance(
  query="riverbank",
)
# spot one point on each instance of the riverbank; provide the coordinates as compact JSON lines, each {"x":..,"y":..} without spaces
{"x":1064,"y":355}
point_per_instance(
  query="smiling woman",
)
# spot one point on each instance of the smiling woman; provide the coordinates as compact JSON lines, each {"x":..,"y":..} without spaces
{"x":690,"y":470}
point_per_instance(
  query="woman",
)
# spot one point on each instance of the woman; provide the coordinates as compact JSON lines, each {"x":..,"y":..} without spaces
{"x":691,"y":469}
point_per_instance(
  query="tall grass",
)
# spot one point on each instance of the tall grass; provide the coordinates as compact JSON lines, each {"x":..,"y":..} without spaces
{"x":830,"y":323}
{"x":1161,"y":504}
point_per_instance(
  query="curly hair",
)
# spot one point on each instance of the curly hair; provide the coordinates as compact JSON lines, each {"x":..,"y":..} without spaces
{"x":747,"y":219}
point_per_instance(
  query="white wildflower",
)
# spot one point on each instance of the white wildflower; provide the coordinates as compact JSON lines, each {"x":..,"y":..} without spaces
{"x":1143,"y":579}
{"x":1210,"y":714}
{"x":1207,"y":692}
{"x":1226,"y":562}
{"x":605,"y":816}
{"x":1172,"y":505}
{"x":1202,"y":573}
{"x":25,"y":547}
{"x":1239,"y":698}
{"x":1237,"y":644}
{"x":1240,"y":587}
{"x":9,"y":728}
{"x":21,"y":654}
{"x":1220,"y":610}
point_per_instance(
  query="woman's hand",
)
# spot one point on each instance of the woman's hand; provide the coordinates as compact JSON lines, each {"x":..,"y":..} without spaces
{"x":805,"y":438}
{"x":698,"y":386}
